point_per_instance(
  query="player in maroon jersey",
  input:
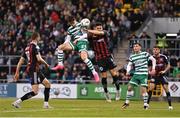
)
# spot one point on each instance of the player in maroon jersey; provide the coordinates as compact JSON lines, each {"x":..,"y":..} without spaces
{"x":99,"y":40}
{"x":32,"y":55}
{"x":162,"y":66}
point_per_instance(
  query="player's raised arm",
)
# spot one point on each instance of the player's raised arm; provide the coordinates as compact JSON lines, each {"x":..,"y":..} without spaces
{"x":96,"y":32}
{"x":21,"y":61}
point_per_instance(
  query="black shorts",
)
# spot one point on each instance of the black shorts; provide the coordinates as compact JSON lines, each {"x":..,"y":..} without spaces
{"x":106,"y":64}
{"x":36,"y":77}
{"x":159,"y":80}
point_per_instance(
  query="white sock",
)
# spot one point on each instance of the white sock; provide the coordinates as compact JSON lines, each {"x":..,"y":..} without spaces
{"x":19,"y":101}
{"x":46,"y":103}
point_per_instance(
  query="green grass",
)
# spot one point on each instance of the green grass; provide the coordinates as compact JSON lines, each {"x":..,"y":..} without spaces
{"x":86,"y":108}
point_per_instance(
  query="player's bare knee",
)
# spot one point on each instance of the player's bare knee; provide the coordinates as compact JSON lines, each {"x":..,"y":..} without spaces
{"x":46,"y":83}
{"x":84,"y":55}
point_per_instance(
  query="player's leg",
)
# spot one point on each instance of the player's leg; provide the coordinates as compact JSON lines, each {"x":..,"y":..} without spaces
{"x":116,"y":82}
{"x":60,"y":54}
{"x":151,"y":88}
{"x":47,"y":85}
{"x":128,"y":95}
{"x":104,"y":84}
{"x":143,"y":82}
{"x":82,"y":48}
{"x":35,"y":88}
{"x":168,"y":95}
{"x":116,"y":78}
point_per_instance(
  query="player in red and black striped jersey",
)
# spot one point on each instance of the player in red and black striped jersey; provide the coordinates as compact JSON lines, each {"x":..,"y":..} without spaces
{"x":32,"y":55}
{"x":99,"y":40}
{"x":162,"y":66}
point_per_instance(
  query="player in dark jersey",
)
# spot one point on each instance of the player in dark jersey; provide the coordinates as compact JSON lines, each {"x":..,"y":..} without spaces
{"x":32,"y":55}
{"x":99,"y":40}
{"x":162,"y":66}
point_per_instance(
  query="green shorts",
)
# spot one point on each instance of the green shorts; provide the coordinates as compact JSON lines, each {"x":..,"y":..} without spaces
{"x":139,"y":80}
{"x":80,"y":46}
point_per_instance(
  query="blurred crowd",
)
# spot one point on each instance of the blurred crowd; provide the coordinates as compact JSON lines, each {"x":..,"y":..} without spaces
{"x":20,"y":18}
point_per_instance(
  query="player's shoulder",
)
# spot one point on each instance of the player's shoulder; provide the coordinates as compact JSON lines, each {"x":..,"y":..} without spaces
{"x":163,"y":56}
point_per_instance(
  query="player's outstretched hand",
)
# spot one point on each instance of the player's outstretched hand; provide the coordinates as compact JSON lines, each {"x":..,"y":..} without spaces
{"x":16,"y":77}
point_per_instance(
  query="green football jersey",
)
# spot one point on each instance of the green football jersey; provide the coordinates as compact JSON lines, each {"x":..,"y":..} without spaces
{"x":140,"y":62}
{"x":75,"y":32}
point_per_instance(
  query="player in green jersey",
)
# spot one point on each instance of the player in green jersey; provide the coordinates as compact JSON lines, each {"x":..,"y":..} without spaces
{"x":74,"y":32}
{"x":139,"y":62}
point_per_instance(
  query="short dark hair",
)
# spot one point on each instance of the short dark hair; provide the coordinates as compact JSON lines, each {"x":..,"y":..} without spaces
{"x":70,"y":19}
{"x":137,"y":44}
{"x":98,"y":24}
{"x":156,"y":46}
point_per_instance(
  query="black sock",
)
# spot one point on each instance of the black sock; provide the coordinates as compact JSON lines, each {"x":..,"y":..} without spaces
{"x":116,"y":82}
{"x":46,"y":94}
{"x":28,"y":95}
{"x":168,"y":98}
{"x":149,"y":96}
{"x":104,"y":84}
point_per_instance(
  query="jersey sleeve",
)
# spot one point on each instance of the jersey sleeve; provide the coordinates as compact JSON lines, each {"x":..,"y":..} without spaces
{"x":166,"y":60}
{"x":36,"y":49}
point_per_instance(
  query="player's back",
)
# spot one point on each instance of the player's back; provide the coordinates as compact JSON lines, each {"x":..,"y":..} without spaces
{"x":30,"y":54}
{"x":140,"y":62}
{"x":75,"y":31}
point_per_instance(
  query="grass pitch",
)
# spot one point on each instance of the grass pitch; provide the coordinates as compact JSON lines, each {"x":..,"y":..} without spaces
{"x":86,"y":108}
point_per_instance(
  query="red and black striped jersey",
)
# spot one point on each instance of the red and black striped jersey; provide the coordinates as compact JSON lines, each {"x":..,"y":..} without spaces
{"x":99,"y":44}
{"x":29,"y":54}
{"x":161,"y":63}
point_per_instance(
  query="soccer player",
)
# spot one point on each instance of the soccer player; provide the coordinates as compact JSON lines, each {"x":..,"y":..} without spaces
{"x":162,"y":67}
{"x":74,"y":32}
{"x":32,"y":55}
{"x":99,"y":40}
{"x":139,"y":62}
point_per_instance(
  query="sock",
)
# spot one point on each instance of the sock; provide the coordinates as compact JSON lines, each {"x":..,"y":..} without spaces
{"x":46,"y":103}
{"x":28,"y":95}
{"x":60,"y":57}
{"x":149,"y":96}
{"x":104,"y":84}
{"x":46,"y":94}
{"x":116,"y":82}
{"x":90,"y":65}
{"x":168,"y":98}
{"x":19,"y":101}
{"x":145,"y":97}
{"x":128,"y":96}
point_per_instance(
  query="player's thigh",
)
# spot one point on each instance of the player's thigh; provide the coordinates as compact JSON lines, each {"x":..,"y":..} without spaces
{"x":134,"y":80}
{"x":34,"y":78}
{"x":104,"y":74}
{"x":102,"y":65}
{"x":67,"y":46}
{"x":143,"y":80}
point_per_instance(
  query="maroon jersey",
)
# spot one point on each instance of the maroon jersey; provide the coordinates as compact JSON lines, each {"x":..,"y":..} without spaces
{"x":30,"y":54}
{"x":99,"y":44}
{"x":161,"y":63}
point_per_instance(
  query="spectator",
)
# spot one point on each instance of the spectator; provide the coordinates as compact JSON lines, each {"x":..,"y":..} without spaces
{"x":176,"y":71}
